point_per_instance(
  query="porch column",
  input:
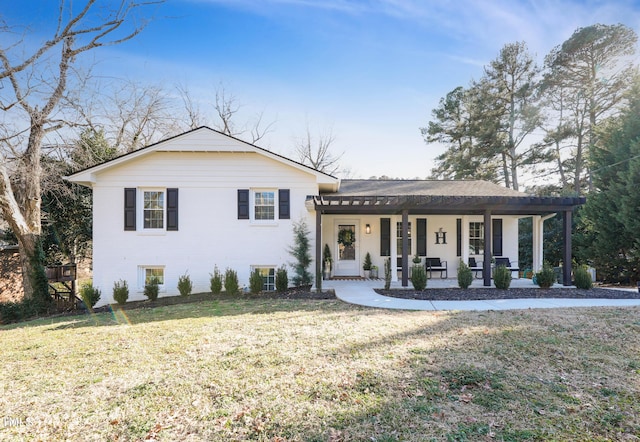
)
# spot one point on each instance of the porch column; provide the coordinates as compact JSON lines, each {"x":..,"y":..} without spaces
{"x":405,"y":248}
{"x":566,"y":249}
{"x":465,"y":239}
{"x":393,"y":253}
{"x":486,"y":270}
{"x":318,"y":249}
{"x":538,"y":251}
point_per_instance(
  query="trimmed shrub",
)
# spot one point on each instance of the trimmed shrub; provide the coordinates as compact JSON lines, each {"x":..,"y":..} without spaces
{"x":120,"y":291}
{"x":502,"y":277}
{"x":231,"y":285}
{"x":185,"y":286}
{"x":419,"y":278}
{"x":387,"y":273}
{"x":282,"y":280}
{"x":215,"y":282}
{"x":12,"y":312}
{"x":256,"y":283}
{"x":546,"y":277}
{"x":326,"y":258}
{"x":583,"y":278}
{"x":152,"y":288}
{"x":89,"y":295}
{"x":367,"y":262}
{"x":465,"y":276}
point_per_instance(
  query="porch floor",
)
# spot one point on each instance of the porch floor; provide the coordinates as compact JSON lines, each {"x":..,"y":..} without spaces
{"x":361,"y":292}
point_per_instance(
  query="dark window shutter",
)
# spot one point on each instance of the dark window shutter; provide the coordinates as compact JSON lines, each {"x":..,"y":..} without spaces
{"x":172,"y":209}
{"x":496,"y":227}
{"x":130,"y":209}
{"x":421,"y":234}
{"x":458,"y":237}
{"x":243,"y":203}
{"x":385,"y":236}
{"x":284,"y":211}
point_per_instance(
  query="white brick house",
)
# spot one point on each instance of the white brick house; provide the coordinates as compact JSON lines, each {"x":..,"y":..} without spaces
{"x":204,"y":199}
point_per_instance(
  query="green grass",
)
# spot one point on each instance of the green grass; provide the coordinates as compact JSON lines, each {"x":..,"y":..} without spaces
{"x":277,"y":370}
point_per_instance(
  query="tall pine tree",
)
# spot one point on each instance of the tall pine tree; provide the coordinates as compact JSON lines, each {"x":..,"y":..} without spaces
{"x":612,"y":213}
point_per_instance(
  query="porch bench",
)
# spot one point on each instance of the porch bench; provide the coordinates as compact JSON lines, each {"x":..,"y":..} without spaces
{"x":503,"y":261}
{"x":475,"y":268}
{"x":436,"y":265}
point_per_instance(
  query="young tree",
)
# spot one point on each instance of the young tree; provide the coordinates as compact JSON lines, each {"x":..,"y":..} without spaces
{"x":301,"y":252}
{"x":35,"y":80}
{"x":592,"y":71}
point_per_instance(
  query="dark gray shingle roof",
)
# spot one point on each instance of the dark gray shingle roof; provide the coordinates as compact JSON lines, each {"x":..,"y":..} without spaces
{"x":423,"y":187}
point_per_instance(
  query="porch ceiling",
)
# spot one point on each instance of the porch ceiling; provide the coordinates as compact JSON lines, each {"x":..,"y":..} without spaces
{"x":444,"y":205}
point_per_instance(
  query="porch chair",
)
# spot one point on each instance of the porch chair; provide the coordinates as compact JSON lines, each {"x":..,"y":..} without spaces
{"x":436,"y":265}
{"x":475,"y":268}
{"x":503,"y":261}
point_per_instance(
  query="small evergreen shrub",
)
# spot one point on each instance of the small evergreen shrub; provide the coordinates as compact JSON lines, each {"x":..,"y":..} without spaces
{"x":326,"y":258}
{"x":546,"y":277}
{"x":215,"y":282}
{"x":367,"y":262}
{"x":12,"y":312}
{"x":185,"y":286}
{"x":120,"y":291}
{"x":583,"y":278}
{"x":502,"y":277}
{"x":301,"y":252}
{"x":231,"y":285}
{"x":419,"y":278}
{"x":282,"y":280}
{"x":465,"y":276}
{"x":152,"y":288}
{"x":256,"y":283}
{"x":387,"y":273}
{"x":89,"y":295}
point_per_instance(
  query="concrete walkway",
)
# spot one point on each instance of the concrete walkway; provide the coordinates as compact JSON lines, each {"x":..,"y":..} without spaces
{"x":361,"y":292}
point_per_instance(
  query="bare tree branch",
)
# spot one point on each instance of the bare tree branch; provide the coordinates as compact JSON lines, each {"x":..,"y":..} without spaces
{"x":33,"y":106}
{"x":316,"y":153}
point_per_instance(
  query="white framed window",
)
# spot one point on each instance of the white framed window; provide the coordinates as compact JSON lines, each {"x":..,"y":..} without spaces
{"x":268,"y":277}
{"x":264,"y":204}
{"x":146,"y":273}
{"x":153,"y":209}
{"x":476,"y":238}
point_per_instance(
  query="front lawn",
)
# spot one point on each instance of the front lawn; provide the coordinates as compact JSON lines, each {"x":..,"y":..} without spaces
{"x":309,"y":370}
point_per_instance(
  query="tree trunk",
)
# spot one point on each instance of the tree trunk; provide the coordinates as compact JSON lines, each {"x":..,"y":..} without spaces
{"x":34,"y":277}
{"x":505,"y":170}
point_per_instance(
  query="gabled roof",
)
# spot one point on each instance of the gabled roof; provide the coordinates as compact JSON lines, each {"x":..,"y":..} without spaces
{"x":435,"y":197}
{"x":202,"y":139}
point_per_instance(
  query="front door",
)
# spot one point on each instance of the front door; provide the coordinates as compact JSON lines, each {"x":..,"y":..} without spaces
{"x":347,"y":262}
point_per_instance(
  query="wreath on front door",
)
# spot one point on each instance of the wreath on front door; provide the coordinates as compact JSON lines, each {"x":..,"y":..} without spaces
{"x":346,"y":237}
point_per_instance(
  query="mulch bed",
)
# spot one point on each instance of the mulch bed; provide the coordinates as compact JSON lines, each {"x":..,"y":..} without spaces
{"x":457,"y":294}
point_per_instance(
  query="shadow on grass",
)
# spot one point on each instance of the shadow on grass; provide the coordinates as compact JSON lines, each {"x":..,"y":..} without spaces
{"x":202,"y":305}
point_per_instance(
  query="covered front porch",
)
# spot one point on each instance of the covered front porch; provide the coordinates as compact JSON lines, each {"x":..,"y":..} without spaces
{"x":450,"y":220}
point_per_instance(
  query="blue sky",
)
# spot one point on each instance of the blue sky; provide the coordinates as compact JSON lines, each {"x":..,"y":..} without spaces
{"x":370,"y":71}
